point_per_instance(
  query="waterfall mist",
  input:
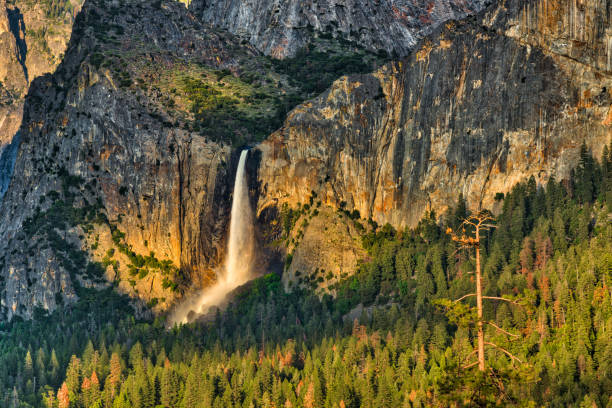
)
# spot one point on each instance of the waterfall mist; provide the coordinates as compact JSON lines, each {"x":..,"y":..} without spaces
{"x":238,"y":261}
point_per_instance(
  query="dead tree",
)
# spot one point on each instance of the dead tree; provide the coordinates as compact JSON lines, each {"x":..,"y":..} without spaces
{"x":483,"y":221}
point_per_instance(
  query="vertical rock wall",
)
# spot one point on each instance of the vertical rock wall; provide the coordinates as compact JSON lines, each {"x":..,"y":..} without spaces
{"x":478,"y":107}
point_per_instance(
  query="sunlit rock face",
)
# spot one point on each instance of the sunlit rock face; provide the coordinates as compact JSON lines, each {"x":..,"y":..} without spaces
{"x":33,"y":38}
{"x":281,"y":28}
{"x":480,"y":105}
{"x":577,"y":29}
{"x":239,"y":261}
{"x":12,"y":79}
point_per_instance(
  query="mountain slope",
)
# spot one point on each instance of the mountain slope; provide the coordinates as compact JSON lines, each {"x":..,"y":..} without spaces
{"x":33,"y":38}
{"x":134,"y":141}
{"x":112,"y":142}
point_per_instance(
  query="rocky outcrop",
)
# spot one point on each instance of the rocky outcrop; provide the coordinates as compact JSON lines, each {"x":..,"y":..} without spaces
{"x":281,"y":28}
{"x":576,"y":29}
{"x":325,"y":247}
{"x":12,"y":78}
{"x":480,"y":105}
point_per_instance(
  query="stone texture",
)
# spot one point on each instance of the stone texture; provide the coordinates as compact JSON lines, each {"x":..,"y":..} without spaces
{"x":476,"y":108}
{"x":32,"y":43}
{"x":13,"y":81}
{"x":328,"y":246}
{"x":39,"y":281}
{"x":281,"y":27}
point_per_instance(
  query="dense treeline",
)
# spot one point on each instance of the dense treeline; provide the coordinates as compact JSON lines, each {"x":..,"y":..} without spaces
{"x":382,"y":341}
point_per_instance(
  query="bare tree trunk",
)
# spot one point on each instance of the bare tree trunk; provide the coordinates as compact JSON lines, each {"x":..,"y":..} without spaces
{"x":479,"y":222}
{"x":481,"y":355}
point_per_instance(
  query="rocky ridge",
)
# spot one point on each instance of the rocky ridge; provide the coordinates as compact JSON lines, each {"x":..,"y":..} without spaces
{"x":281,"y":28}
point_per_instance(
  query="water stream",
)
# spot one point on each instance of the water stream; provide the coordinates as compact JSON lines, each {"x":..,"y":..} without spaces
{"x":238,"y":261}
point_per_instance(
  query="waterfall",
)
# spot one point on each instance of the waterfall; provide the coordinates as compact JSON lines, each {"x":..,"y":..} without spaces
{"x":240,"y":245}
{"x":238,"y":261}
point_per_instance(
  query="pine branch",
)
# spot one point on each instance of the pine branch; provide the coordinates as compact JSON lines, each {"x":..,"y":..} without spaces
{"x":465,"y":367}
{"x":502,"y":330}
{"x":504,"y":299}
{"x":463,"y":297}
{"x":504,"y":351}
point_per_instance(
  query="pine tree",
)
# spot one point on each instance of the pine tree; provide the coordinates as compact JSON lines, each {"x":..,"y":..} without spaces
{"x":28,"y":367}
{"x":437,"y":270}
{"x":191,"y":395}
{"x":95,"y":394}
{"x":169,"y":387}
{"x":114,"y":375}
{"x":424,"y":286}
{"x":459,"y":313}
{"x":15,"y":398}
{"x":88,"y":360}
{"x":54,"y":369}
{"x":560,"y":237}
{"x":73,"y":375}
{"x":41,"y":371}
{"x":136,"y":355}
{"x":63,"y":396}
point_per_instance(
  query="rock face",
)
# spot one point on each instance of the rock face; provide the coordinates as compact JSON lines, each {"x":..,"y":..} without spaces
{"x":281,"y":27}
{"x":109,"y":168}
{"x":12,"y":78}
{"x":326,"y":247}
{"x":33,"y":38}
{"x":480,"y":105}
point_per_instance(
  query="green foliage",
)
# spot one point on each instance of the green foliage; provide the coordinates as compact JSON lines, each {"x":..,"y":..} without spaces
{"x":313,"y":71}
{"x":225,"y":117}
{"x":55,"y":9}
{"x":247,"y":107}
{"x":141,"y":265}
{"x":288,"y":218}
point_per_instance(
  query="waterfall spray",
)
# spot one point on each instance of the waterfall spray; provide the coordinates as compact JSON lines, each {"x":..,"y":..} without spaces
{"x":239,"y":256}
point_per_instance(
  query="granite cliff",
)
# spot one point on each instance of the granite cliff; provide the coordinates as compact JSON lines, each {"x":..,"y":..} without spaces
{"x":480,"y":105}
{"x":111,"y":181}
{"x":124,"y":160}
{"x":281,"y":28}
{"x":33,"y":38}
